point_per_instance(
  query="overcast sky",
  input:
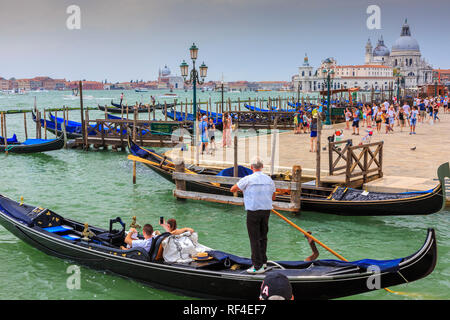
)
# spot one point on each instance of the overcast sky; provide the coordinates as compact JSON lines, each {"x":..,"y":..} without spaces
{"x":251,"y":40}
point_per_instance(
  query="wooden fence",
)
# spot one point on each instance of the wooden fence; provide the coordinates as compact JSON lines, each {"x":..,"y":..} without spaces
{"x":180,"y":192}
{"x":360,"y":163}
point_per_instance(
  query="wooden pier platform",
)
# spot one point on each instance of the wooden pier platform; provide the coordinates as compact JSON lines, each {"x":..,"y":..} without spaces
{"x":410,"y":162}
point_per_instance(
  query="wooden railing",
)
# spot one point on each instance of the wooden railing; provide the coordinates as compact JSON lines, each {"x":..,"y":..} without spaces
{"x":293,"y":187}
{"x":363,"y":162}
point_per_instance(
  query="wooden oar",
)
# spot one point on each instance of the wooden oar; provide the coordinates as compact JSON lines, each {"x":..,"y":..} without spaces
{"x":320,"y":243}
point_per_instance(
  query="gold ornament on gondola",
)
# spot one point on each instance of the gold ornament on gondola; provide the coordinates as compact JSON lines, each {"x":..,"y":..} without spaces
{"x":134,"y":224}
{"x":86,"y":233}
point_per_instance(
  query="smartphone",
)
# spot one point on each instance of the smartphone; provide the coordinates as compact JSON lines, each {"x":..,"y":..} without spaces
{"x":161,"y":220}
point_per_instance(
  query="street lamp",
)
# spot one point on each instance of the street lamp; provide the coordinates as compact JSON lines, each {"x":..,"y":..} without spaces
{"x":435,"y":78}
{"x":398,"y":76}
{"x":194,"y":78}
{"x":328,"y":75}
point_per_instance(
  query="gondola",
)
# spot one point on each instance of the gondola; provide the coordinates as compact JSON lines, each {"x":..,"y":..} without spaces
{"x":73,"y":128}
{"x":223,"y":276}
{"x":338,"y":200}
{"x":114,"y":109}
{"x":181,"y":116}
{"x":33,"y":145}
{"x":156,"y":106}
{"x":72,"y":131}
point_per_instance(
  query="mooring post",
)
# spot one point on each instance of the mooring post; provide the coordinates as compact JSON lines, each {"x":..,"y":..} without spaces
{"x":86,"y":126}
{"x":180,"y":184}
{"x":25,"y":125}
{"x":4,"y":133}
{"x":45,"y":125}
{"x":56,"y":124}
{"x":134,"y":172}
{"x":318,"y":146}
{"x":83,"y":125}
{"x":296,"y":194}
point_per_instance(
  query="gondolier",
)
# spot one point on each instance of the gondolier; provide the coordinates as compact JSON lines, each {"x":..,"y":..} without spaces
{"x":259,"y":191}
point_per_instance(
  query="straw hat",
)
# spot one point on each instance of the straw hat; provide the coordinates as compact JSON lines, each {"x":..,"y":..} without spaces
{"x":202,"y":256}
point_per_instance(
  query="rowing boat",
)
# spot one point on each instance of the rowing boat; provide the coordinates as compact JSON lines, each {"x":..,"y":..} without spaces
{"x":221,"y":277}
{"x":338,"y":200}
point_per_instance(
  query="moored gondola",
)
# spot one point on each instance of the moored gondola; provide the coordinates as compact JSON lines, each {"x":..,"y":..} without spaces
{"x":130,"y":109}
{"x":339,"y":200}
{"x":33,"y":145}
{"x":223,"y":276}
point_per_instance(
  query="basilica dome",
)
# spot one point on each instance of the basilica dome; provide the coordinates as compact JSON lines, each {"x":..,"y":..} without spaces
{"x":165,"y":72}
{"x":381,"y":50}
{"x":405,"y":42}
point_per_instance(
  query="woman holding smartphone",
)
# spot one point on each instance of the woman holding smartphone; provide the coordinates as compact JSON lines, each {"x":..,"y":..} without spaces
{"x":171,"y":226}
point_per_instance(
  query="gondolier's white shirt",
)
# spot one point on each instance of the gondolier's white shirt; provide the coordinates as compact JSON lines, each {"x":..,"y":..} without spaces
{"x":258,"y":189}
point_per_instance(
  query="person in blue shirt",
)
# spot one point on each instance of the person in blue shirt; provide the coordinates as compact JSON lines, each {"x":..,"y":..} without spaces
{"x":146,"y":243}
{"x":204,"y":133}
{"x":422,"y":111}
{"x":355,"y":124}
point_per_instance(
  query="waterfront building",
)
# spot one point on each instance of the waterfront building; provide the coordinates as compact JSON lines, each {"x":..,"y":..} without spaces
{"x":365,"y":77}
{"x":4,"y":84}
{"x":377,"y":72}
{"x":405,"y":57}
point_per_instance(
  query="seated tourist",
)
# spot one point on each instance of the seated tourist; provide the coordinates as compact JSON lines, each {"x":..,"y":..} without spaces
{"x":147,"y":232}
{"x":171,"y":226}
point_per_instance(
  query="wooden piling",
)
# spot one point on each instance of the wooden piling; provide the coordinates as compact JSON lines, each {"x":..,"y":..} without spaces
{"x":83,"y":125}
{"x":45,"y":126}
{"x":297,"y":179}
{"x":25,"y":125}
{"x":180,"y":184}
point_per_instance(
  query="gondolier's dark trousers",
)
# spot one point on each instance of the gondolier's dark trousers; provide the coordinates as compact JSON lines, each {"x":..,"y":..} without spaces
{"x":258,"y":227}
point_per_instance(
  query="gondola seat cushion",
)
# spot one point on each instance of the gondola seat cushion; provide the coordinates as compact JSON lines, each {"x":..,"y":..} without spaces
{"x":156,"y":249}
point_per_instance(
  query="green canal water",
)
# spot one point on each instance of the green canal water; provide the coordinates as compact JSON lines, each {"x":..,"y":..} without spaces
{"x":95,"y":186}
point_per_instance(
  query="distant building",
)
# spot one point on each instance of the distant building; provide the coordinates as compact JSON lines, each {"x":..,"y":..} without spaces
{"x":378,"y":70}
{"x":167,"y":81}
{"x":4,"y":84}
{"x":365,"y":77}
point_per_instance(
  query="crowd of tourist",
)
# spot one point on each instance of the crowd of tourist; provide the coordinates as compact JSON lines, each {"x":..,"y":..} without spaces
{"x":382,"y":117}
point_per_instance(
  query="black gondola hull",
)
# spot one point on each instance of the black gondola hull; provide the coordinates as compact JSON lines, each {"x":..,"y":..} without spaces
{"x":221,"y":284}
{"x":34,"y":148}
{"x":422,"y":205}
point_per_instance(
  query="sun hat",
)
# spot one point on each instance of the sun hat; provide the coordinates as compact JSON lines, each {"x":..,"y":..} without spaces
{"x":202,"y":256}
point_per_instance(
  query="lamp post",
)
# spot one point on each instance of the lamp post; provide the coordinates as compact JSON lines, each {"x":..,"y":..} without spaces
{"x":194,"y":79}
{"x":398,"y":76}
{"x":328,"y":75}
{"x":435,"y":78}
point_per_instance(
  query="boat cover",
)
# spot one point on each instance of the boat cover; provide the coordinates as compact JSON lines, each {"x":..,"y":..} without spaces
{"x":383,"y":265}
{"x":229,"y":172}
{"x":36,"y":141}
{"x":9,"y":140}
{"x":349,"y":194}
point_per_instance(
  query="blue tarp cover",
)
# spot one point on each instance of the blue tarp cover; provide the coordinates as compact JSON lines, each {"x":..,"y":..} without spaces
{"x":35,"y":141}
{"x":9,"y":140}
{"x":384,"y":265}
{"x":229,"y":172}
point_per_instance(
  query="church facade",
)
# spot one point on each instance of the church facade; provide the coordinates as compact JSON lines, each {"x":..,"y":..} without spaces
{"x":379,"y":71}
{"x":405,"y":57}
